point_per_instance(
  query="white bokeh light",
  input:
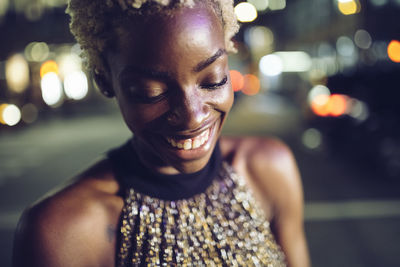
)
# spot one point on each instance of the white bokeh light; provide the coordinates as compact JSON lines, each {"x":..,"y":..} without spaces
{"x":17,"y":73}
{"x":345,"y":46}
{"x":312,"y":138}
{"x":11,"y":115}
{"x":294,"y":61}
{"x":76,"y":85}
{"x":362,"y":39}
{"x":245,"y":12}
{"x":317,"y":91}
{"x":260,"y":5}
{"x":51,"y":89}
{"x":259,"y":38}
{"x":271,"y":65}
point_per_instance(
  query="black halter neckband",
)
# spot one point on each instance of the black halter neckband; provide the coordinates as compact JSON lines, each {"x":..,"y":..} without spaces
{"x":131,"y":173}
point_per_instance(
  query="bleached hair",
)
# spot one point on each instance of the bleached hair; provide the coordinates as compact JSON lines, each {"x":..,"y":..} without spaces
{"x":93,"y":21}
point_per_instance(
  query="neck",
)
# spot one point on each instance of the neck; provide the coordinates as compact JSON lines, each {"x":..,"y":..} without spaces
{"x":133,"y":173}
{"x":151,"y":160}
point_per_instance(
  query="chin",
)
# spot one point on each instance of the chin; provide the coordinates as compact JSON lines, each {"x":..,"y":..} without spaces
{"x":185,"y":154}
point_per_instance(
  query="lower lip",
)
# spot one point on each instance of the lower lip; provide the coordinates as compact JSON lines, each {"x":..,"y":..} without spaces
{"x":196,"y":152}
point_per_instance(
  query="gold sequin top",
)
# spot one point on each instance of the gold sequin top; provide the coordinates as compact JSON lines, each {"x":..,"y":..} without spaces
{"x":222,"y":226}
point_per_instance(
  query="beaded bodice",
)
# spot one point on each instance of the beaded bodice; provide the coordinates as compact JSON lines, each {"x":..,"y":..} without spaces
{"x":220,"y":227}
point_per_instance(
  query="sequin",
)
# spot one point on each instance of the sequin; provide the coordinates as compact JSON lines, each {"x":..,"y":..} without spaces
{"x":223,"y":226}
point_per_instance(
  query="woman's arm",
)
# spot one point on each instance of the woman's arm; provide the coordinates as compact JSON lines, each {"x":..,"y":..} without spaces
{"x":273,"y":167}
{"x":42,"y":239}
{"x":74,"y":227}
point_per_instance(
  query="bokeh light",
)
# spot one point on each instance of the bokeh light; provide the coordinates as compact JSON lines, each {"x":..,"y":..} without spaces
{"x":10,"y":114}
{"x":311,"y":138}
{"x":393,"y":51}
{"x":357,"y":109}
{"x":319,"y":105}
{"x":345,"y":46}
{"x":323,"y":104}
{"x":260,"y":5}
{"x":29,"y":113}
{"x":3,"y":7}
{"x":294,"y":61}
{"x":362,"y":39}
{"x":37,"y":51}
{"x":379,"y":3}
{"x":349,"y":7}
{"x":2,"y":107}
{"x":326,"y":50}
{"x":51,"y":89}
{"x":237,"y":80}
{"x":316,"y":91}
{"x":17,"y":73}
{"x":245,"y":12}
{"x":76,"y":85}
{"x":277,"y":4}
{"x":251,"y":84}
{"x":271,"y":65}
{"x":49,"y":66}
{"x":33,"y":10}
{"x":69,"y":63}
{"x":259,"y":38}
{"x":337,"y":105}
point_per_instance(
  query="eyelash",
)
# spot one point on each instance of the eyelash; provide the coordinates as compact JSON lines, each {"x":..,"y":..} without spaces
{"x":214,"y":86}
{"x":155,"y":99}
{"x":149,"y":100}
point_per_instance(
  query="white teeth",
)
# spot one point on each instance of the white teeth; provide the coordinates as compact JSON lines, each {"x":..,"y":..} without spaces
{"x":188,"y":144}
{"x":202,"y":141}
{"x":192,"y":143}
{"x":196,"y":143}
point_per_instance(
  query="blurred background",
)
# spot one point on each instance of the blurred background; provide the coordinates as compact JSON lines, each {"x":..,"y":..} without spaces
{"x":322,"y":75}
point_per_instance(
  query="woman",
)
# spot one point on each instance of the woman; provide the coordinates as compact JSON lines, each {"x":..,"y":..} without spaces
{"x":176,"y":194}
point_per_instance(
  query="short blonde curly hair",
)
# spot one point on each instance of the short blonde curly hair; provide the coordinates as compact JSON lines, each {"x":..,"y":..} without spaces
{"x":93,"y":21}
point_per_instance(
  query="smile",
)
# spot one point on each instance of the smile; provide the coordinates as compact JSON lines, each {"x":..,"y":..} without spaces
{"x":191,"y":143}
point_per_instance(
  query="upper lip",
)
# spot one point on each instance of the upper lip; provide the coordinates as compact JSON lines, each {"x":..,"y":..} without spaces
{"x":192,"y":133}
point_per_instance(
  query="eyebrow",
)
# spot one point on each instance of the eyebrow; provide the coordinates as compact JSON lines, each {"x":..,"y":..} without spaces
{"x":205,"y":63}
{"x":164,"y":75}
{"x":151,"y":73}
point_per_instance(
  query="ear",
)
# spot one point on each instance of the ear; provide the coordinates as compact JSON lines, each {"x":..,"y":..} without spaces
{"x":103,"y":83}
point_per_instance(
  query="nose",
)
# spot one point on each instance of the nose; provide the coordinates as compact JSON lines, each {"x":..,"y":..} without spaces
{"x":189,"y":111}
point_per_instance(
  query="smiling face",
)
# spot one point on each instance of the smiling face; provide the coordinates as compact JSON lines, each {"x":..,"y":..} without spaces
{"x":171,"y":79}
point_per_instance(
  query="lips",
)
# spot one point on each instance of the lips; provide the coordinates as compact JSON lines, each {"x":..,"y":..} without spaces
{"x":190,"y":143}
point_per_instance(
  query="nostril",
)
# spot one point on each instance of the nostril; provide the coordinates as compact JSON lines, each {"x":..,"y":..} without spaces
{"x":173,"y":117}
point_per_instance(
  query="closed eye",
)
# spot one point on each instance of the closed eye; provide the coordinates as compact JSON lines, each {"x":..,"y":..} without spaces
{"x":148,"y":100}
{"x":213,"y":86}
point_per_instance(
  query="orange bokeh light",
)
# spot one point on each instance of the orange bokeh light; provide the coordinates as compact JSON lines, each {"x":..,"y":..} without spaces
{"x":251,"y":84}
{"x":319,"y":105}
{"x":237,"y":80}
{"x":47,"y":67}
{"x":2,"y":107}
{"x":337,"y":105}
{"x":329,"y":105}
{"x":393,"y":51}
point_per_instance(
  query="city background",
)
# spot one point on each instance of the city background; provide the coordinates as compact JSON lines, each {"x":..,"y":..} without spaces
{"x":322,"y":75}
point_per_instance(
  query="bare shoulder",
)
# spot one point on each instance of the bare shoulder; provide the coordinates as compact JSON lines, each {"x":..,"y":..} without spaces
{"x":268,"y":164}
{"x":271,"y":172}
{"x":258,"y":152}
{"x":72,"y":226}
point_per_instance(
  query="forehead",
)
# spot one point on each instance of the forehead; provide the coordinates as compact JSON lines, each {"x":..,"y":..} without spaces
{"x":196,"y":32}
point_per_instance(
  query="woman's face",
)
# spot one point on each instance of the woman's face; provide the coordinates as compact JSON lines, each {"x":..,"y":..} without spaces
{"x":171,"y":80}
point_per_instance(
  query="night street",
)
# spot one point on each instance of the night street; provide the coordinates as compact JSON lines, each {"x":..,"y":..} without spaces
{"x":351,"y":217}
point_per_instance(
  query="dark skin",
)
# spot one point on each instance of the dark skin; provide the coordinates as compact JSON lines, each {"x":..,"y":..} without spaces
{"x":180,"y":89}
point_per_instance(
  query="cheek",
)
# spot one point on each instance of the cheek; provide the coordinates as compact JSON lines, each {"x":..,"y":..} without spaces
{"x":141,"y":116}
{"x":224,"y":99}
